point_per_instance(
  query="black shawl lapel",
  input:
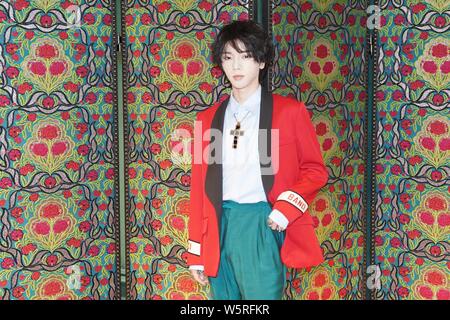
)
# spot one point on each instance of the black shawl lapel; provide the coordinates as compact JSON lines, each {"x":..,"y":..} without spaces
{"x":214,"y":177}
{"x":264,"y":140}
{"x":213,"y":183}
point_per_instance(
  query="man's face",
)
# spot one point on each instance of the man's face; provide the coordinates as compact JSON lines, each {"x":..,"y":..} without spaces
{"x":240,"y":68}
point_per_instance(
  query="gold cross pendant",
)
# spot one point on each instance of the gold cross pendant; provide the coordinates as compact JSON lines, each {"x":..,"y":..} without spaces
{"x":237,"y":132}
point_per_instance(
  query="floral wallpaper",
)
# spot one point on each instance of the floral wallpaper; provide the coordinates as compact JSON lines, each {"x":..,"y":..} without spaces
{"x":58,"y":131}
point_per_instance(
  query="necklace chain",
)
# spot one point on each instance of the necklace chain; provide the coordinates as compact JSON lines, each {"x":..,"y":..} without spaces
{"x":239,"y":121}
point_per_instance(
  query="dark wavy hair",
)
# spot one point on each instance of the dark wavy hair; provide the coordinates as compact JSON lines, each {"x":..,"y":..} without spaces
{"x":255,"y":39}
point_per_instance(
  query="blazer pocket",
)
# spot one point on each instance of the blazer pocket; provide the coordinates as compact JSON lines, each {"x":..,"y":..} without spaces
{"x":205,"y":225}
{"x":286,"y":142}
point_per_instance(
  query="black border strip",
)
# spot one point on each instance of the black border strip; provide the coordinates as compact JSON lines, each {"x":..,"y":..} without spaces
{"x":117,"y":293}
{"x":373,"y":151}
{"x":370,"y":141}
{"x":125,"y":177}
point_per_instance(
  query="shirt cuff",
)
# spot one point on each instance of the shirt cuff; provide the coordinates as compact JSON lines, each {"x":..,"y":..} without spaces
{"x":279,"y":218}
{"x":197,"y":267}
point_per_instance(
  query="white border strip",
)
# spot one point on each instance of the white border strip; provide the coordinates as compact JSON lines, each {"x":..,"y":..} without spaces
{"x":295,"y":199}
{"x":194,"y":247}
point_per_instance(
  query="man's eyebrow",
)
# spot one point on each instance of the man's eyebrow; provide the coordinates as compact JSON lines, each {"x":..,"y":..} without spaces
{"x":226,"y":52}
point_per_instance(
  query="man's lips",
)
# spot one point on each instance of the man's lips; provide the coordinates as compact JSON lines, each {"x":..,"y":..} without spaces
{"x":238,"y":77}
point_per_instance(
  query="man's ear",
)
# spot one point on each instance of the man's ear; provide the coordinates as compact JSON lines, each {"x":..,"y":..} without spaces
{"x":262,"y":65}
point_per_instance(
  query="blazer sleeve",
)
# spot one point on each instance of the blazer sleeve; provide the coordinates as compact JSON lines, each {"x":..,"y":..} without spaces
{"x":313,"y":174}
{"x":194,"y":257}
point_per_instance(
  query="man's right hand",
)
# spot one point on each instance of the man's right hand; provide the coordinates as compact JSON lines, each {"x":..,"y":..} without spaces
{"x":200,"y":277}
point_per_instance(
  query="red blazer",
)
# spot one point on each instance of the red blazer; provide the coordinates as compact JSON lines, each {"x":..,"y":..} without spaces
{"x":301,"y":173}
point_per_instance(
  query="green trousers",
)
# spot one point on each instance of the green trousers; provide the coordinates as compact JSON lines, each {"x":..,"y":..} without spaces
{"x":250,"y":265}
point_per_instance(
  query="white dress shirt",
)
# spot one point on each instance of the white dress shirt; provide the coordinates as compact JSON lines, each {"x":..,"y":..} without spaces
{"x":240,"y":167}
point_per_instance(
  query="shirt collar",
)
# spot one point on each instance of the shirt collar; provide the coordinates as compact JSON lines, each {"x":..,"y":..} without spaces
{"x":252,"y":103}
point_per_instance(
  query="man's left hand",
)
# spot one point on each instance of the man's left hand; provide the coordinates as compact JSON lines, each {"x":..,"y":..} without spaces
{"x":274,"y":226}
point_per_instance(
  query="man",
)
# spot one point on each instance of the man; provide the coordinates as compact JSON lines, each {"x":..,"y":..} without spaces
{"x":268,"y":169}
